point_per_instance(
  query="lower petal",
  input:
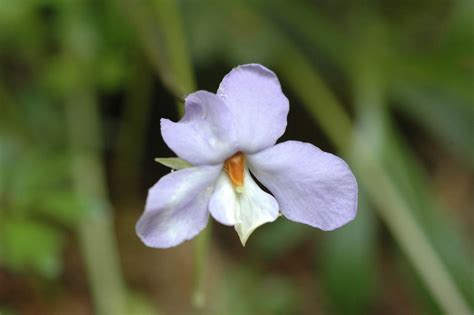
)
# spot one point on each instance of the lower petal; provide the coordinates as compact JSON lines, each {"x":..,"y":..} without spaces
{"x":311,"y":186}
{"x":246,"y":210}
{"x":177,"y":207}
{"x":224,"y":202}
{"x":256,"y":208}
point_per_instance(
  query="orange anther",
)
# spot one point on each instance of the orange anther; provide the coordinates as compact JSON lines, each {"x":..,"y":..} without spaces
{"x":234,"y":167}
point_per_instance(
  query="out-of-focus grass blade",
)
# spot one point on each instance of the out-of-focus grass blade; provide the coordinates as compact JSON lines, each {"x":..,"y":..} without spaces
{"x":442,"y":232}
{"x":449,"y":118}
{"x":348,"y":263}
{"x":309,"y":25}
{"x":174,"y":39}
{"x":245,"y":291}
{"x":272,"y":241}
{"x":374,"y":159}
{"x":158,"y":26}
{"x":320,"y":103}
{"x":396,"y":215}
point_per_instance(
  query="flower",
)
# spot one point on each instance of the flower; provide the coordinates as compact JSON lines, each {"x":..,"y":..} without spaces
{"x":228,"y":137}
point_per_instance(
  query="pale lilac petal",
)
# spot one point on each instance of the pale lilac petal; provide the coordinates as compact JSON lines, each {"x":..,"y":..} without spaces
{"x":246,"y":210}
{"x":177,"y":206}
{"x":259,"y":107}
{"x":206,"y":133}
{"x":311,"y":186}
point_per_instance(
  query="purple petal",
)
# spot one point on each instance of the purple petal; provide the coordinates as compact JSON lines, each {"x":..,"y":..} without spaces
{"x":205,"y":135}
{"x":254,"y":96}
{"x":177,"y":206}
{"x":311,"y":186}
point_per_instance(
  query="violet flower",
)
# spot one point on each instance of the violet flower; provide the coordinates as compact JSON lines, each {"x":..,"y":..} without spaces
{"x":228,"y":137}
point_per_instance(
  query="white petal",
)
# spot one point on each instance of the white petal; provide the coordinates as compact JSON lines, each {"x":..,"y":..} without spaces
{"x":246,"y":210}
{"x":223,"y":201}
{"x":256,"y":208}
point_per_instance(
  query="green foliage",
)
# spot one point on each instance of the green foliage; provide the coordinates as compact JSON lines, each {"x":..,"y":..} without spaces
{"x":348,"y":263}
{"x":31,"y":246}
{"x":245,"y":292}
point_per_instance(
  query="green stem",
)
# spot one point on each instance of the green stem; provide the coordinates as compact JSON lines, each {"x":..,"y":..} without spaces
{"x":95,"y":230}
{"x":201,"y":248}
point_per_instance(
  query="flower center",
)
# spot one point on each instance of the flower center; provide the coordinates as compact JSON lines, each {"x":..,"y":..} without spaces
{"x":235,"y":167}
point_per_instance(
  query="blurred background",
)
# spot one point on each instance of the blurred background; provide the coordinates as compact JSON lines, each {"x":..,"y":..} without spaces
{"x":388,"y":85}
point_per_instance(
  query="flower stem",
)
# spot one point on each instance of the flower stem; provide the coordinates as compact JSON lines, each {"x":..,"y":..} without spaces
{"x":201,"y":249}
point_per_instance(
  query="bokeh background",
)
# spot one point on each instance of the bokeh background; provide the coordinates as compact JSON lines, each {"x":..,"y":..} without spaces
{"x":388,"y":85}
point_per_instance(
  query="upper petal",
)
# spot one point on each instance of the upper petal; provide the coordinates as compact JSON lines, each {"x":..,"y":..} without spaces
{"x":206,"y":133}
{"x":311,"y":186}
{"x":177,"y":206}
{"x":259,"y":107}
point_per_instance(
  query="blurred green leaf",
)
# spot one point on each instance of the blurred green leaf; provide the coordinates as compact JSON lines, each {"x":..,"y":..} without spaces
{"x":159,"y":29}
{"x":6,"y":311}
{"x":37,"y":175}
{"x":62,"y":206}
{"x":348,"y":262}
{"x":397,"y":208}
{"x":447,"y":117}
{"x":443,"y":232}
{"x":28,"y":245}
{"x":244,"y":291}
{"x":275,"y":240}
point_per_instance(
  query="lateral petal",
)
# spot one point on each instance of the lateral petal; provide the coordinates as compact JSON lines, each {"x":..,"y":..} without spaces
{"x":311,"y":186}
{"x":177,"y":206}
{"x":206,"y":134}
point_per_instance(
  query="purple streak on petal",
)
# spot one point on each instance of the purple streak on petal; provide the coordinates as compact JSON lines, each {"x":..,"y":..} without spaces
{"x":311,"y":186}
{"x":205,"y":135}
{"x":177,"y":206}
{"x":253,"y":94}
